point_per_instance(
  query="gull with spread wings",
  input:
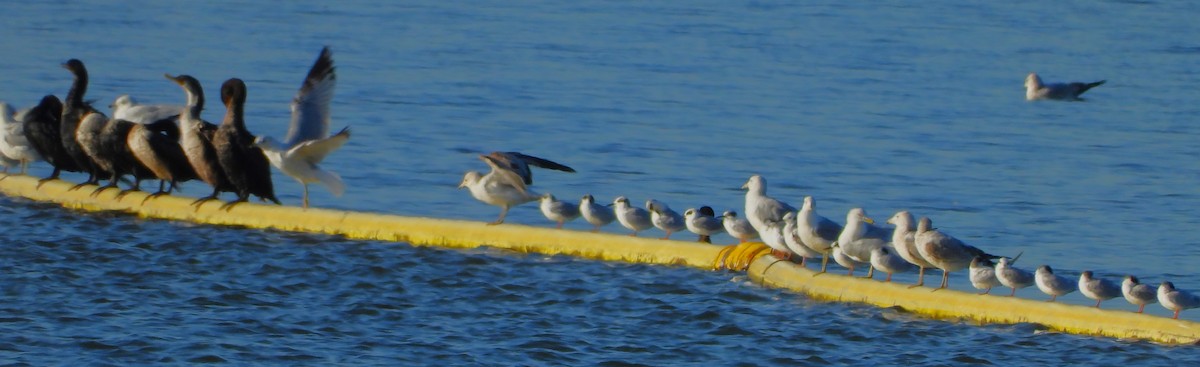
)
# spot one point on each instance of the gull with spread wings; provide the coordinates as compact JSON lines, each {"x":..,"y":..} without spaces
{"x":519,"y":163}
{"x":308,"y":140}
{"x":501,"y":187}
{"x":507,"y":184}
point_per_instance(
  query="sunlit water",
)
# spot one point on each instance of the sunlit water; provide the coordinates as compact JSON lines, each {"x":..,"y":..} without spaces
{"x":887,"y":106}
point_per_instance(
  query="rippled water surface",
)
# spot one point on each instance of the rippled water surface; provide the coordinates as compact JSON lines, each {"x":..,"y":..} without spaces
{"x":883,"y":105}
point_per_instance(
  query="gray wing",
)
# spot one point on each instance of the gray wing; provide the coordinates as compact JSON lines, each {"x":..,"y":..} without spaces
{"x":638,"y":216}
{"x":1143,"y":291}
{"x":520,"y":163}
{"x":1079,"y":88}
{"x":148,"y":114}
{"x":828,"y":229}
{"x":1059,"y":91}
{"x":310,"y":108}
{"x":15,"y":135}
{"x":1058,"y":282}
{"x":775,"y":208}
{"x":877,"y":232}
{"x":711,"y":224}
{"x":540,"y":162}
{"x":505,"y":174}
{"x":975,"y":251}
{"x":1022,"y":276}
{"x":674,"y":220}
{"x":314,"y":151}
{"x":1068,"y":90}
{"x":514,"y":164}
{"x":1108,"y":289}
{"x":951,"y":249}
{"x":861,"y":249}
{"x":954,"y":244}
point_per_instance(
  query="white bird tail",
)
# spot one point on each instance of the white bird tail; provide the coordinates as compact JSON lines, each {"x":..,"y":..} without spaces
{"x":331,"y":181}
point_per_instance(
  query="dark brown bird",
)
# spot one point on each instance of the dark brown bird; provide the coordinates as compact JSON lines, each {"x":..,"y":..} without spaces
{"x":195,"y":138}
{"x":74,"y":108}
{"x":114,"y":140}
{"x":87,"y":135}
{"x":162,"y":155}
{"x":42,"y":128}
{"x":244,"y":164}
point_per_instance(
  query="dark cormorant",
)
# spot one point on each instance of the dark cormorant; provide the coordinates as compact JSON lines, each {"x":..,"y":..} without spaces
{"x":195,"y":137}
{"x":244,"y":164}
{"x":73,"y":110}
{"x":42,"y":128}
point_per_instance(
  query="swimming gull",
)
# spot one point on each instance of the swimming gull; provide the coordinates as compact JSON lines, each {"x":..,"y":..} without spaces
{"x":1036,"y":90}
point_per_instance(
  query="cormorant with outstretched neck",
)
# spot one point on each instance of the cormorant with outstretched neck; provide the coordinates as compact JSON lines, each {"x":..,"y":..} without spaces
{"x":195,"y":137}
{"x":244,"y":164}
{"x":74,"y":108}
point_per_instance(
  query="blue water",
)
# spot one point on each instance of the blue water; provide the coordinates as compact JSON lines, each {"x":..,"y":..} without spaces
{"x":888,"y":106}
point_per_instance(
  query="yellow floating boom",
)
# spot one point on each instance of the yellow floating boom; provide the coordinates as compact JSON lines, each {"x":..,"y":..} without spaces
{"x":383,"y":227}
{"x":984,"y":309}
{"x":942,"y":304}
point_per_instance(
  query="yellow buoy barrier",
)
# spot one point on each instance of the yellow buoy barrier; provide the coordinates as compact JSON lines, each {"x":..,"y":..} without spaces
{"x":414,"y":230}
{"x":739,"y":256}
{"x":943,"y":304}
{"x":984,"y":309}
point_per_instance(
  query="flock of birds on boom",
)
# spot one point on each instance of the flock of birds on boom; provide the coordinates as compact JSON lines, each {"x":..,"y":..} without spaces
{"x":172,"y":143}
{"x":801,"y":234}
